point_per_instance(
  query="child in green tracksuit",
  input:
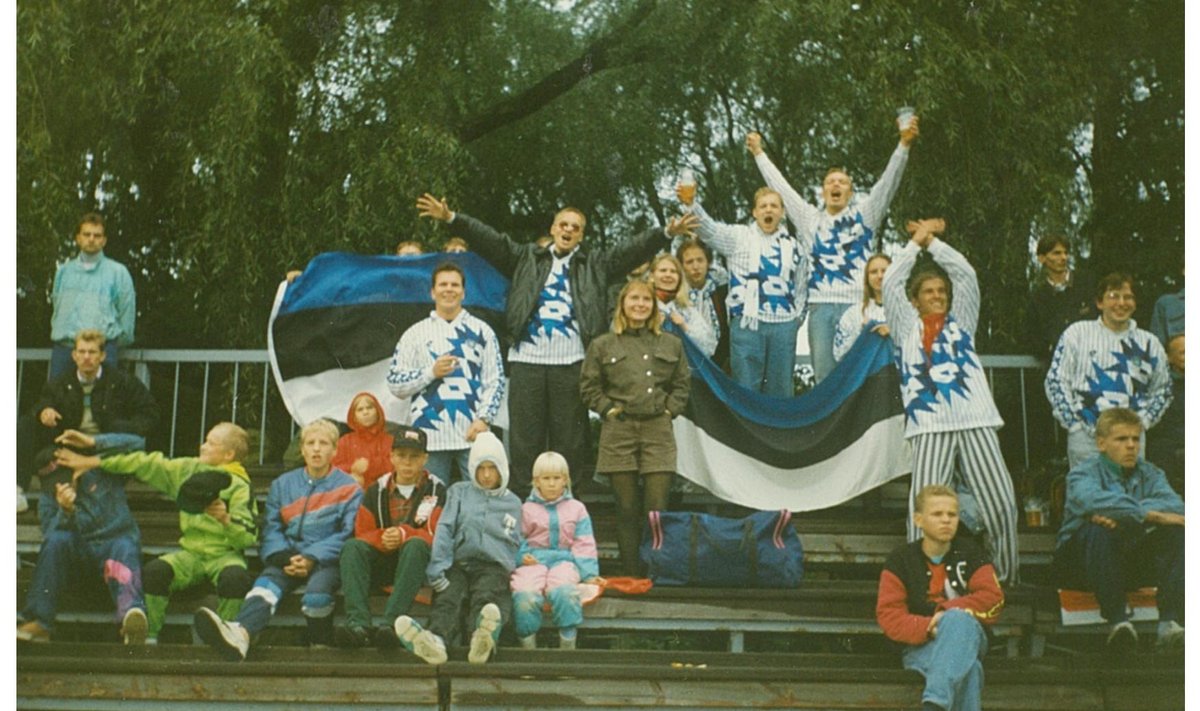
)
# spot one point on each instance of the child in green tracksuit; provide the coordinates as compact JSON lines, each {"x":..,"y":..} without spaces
{"x":216,"y":517}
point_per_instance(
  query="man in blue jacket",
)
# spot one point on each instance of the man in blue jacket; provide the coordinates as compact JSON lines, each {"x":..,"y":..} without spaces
{"x":1123,"y":528}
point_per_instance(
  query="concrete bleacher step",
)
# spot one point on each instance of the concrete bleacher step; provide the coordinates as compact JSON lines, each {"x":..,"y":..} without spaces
{"x":111,"y":676}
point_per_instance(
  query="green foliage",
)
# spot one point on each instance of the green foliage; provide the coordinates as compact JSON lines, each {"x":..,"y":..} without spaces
{"x":229,"y":142}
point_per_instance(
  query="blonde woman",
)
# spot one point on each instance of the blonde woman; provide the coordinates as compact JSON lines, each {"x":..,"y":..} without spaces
{"x":636,"y":378}
{"x":679,"y":314}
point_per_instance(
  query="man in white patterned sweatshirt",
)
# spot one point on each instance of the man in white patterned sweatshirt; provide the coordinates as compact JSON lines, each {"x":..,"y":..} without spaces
{"x":766,"y":299}
{"x":1103,"y":363}
{"x":950,"y":417}
{"x":451,"y":367}
{"x":837,"y":240}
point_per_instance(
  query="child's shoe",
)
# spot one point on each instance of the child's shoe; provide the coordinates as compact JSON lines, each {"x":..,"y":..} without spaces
{"x":1170,"y":636}
{"x":32,"y":631}
{"x":134,"y":626}
{"x":420,"y":641}
{"x":483,"y":639}
{"x":529,"y":642}
{"x":229,"y":639}
{"x":565,"y":642}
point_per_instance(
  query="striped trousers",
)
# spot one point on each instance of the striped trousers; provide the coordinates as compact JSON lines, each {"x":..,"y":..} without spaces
{"x":974,"y":455}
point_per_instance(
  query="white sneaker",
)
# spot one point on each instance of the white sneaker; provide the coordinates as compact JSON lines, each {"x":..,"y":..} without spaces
{"x":1170,"y":636}
{"x":1123,"y":638}
{"x":420,"y":641}
{"x":134,"y":626}
{"x":229,"y":639}
{"x":22,"y":502}
{"x":483,"y":639}
{"x":566,"y":642}
{"x":529,"y":642}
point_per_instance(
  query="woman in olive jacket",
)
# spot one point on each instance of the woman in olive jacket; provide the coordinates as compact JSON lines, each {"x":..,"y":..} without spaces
{"x":636,"y":378}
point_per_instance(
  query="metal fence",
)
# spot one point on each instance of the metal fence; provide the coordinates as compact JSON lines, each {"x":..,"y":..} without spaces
{"x":206,"y":386}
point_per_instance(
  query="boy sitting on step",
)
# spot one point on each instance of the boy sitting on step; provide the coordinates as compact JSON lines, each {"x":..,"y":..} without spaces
{"x":935,"y":595}
{"x":474,"y":553}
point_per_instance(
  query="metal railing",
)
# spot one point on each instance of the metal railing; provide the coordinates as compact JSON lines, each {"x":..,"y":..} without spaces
{"x":1008,"y":375}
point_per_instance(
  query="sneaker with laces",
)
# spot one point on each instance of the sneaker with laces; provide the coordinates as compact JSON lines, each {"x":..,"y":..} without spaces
{"x":1123,"y":638}
{"x":483,"y":639}
{"x":134,"y":627}
{"x":229,"y":639}
{"x":420,"y":641}
{"x":32,"y":632}
{"x":1170,"y":636}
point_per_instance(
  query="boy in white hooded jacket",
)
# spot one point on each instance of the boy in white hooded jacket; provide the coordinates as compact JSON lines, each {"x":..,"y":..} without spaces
{"x":474,"y":553}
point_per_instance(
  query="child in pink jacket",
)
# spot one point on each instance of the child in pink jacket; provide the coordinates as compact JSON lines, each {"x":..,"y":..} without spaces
{"x":558,"y":550}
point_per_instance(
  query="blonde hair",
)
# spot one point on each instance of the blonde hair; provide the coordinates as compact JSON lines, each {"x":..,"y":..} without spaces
{"x":763,"y":192}
{"x":620,"y":324}
{"x":1114,"y":416}
{"x":91,"y":335}
{"x":234,"y":438}
{"x":320,"y":426}
{"x":551,"y":462}
{"x":929,"y":492}
{"x":681,"y":294}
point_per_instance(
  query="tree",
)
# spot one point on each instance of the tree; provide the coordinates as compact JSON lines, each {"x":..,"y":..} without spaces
{"x":227,"y":144}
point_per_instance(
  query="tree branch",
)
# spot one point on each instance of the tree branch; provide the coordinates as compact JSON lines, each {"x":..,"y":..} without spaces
{"x":596,"y":58}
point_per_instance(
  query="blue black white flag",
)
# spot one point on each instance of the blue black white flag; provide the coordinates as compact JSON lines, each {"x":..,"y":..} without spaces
{"x":841,"y":439}
{"x":334,"y":329}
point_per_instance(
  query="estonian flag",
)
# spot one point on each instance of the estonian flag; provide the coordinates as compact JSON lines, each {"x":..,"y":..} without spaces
{"x":334,"y":329}
{"x":811,"y":452}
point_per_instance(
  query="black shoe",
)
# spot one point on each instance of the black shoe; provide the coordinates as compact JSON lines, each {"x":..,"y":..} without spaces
{"x":386,"y":639}
{"x":352,"y":637}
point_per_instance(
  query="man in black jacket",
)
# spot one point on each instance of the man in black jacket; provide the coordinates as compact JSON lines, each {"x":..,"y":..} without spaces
{"x":91,"y":399}
{"x":557,"y":303}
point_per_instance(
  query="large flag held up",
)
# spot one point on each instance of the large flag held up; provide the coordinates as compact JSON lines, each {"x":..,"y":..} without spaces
{"x":333,"y":330}
{"x":843,"y":438}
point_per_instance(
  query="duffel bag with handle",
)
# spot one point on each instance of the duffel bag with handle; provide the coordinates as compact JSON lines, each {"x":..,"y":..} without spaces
{"x":761,"y":550}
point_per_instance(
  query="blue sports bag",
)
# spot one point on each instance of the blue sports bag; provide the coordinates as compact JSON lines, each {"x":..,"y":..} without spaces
{"x":761,"y":550}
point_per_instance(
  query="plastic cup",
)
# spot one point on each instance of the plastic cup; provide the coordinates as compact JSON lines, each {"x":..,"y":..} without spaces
{"x":904,"y":117}
{"x":687,"y":185}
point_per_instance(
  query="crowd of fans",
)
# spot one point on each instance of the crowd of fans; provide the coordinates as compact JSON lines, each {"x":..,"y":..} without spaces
{"x":380,"y":506}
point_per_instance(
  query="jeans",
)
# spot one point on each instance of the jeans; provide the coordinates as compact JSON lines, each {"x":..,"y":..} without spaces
{"x":441,"y":464}
{"x":473,"y":584}
{"x":272,"y":584}
{"x":1110,"y":562}
{"x":65,"y":555}
{"x":764,"y":359}
{"x":950,"y":662}
{"x":822,"y":326}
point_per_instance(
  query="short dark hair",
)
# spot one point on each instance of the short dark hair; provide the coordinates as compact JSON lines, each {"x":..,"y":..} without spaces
{"x":1114,"y":280}
{"x":930,"y":271}
{"x":91,"y":218}
{"x":1048,"y":242}
{"x":447,"y":267}
{"x":690,"y":244}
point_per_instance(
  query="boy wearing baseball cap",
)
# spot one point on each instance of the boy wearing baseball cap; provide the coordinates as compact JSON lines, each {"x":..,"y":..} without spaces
{"x":393,"y":535}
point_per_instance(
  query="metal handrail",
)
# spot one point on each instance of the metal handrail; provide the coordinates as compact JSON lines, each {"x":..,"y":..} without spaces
{"x":142,"y":358}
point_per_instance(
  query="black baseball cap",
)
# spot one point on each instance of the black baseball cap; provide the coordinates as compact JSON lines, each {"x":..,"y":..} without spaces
{"x":409,"y":438}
